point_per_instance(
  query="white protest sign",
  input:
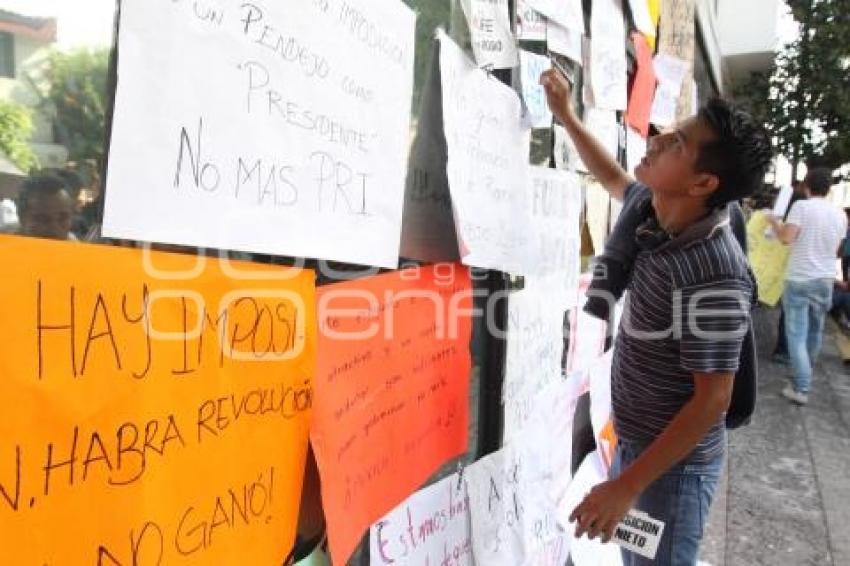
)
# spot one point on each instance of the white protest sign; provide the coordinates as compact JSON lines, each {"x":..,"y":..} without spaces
{"x":547,"y":437}
{"x":565,"y":41}
{"x":513,"y":517}
{"x":531,"y":24}
{"x":783,"y":200}
{"x":554,"y":231}
{"x":488,"y":150}
{"x":608,"y":65}
{"x":583,"y":551}
{"x":263,"y":126}
{"x":496,"y":508}
{"x":535,"y":347}
{"x":670,"y":72}
{"x":490,"y":30}
{"x":432,"y":527}
{"x":534,"y":95}
{"x":568,"y":13}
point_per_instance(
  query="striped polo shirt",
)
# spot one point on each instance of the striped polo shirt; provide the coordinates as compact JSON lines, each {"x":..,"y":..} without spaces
{"x":686,"y":312}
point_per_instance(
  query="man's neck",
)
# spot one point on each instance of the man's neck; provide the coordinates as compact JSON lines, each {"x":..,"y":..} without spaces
{"x":675,"y":216}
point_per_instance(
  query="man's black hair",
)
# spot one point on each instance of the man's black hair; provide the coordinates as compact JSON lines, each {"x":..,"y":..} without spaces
{"x":739,"y":156}
{"x":40,"y":186}
{"x":819,"y":180}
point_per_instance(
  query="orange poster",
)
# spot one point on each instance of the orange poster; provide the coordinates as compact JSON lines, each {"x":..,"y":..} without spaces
{"x":155,"y":406}
{"x":392,"y":389}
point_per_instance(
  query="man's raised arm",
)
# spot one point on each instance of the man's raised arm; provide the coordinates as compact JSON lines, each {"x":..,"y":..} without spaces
{"x":601,"y":165}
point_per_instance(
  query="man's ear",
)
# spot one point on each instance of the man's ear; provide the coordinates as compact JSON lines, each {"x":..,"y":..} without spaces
{"x":704,"y":184}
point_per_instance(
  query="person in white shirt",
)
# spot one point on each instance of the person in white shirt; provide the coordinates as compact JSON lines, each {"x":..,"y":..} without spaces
{"x":814,"y":229}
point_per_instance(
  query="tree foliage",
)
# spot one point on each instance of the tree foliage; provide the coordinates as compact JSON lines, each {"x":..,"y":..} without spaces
{"x":805,"y":98}
{"x":75,"y":92}
{"x":16,"y":127}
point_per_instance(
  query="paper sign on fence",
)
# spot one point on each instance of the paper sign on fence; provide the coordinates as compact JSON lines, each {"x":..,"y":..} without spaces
{"x":392,"y":390}
{"x":431,"y":527}
{"x":488,"y":148}
{"x":157,"y":406}
{"x":277,"y":127}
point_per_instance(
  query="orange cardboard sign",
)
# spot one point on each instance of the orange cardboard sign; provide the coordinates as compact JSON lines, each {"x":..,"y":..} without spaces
{"x":392,"y":389}
{"x":156,"y":406}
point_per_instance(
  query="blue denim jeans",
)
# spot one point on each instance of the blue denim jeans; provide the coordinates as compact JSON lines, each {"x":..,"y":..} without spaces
{"x":681,"y":499}
{"x":805,"y":304}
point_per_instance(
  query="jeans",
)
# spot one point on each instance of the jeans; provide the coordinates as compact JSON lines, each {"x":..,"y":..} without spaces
{"x":680,"y":499}
{"x":805,"y":304}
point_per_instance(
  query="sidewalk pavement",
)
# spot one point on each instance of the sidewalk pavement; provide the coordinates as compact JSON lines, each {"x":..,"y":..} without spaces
{"x":785,"y":495}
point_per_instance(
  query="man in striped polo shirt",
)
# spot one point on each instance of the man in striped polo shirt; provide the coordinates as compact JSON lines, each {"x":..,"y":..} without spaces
{"x":814,"y":229}
{"x":685,"y":317}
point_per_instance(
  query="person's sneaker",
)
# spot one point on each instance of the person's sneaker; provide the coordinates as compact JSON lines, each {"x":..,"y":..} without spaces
{"x":795,"y":396}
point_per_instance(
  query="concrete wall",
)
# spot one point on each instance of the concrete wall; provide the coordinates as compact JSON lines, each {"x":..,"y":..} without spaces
{"x":747,"y":26}
{"x":707,"y":25}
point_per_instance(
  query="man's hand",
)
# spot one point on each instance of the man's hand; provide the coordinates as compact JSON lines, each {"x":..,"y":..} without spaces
{"x":602,"y":509}
{"x":558,"y":94}
{"x":600,"y":164}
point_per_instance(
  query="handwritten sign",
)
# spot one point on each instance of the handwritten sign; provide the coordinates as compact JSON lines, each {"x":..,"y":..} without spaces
{"x":555,"y":199}
{"x":677,"y":38}
{"x":768,"y":258}
{"x":608,"y":65}
{"x":488,"y":150}
{"x":535,"y":348}
{"x":531,"y":24}
{"x":531,"y":67}
{"x":513,"y":518}
{"x":671,"y":72}
{"x":277,"y":127}
{"x":391,"y":391}
{"x":157,"y":415}
{"x":490,"y":29}
{"x":431,"y":528}
{"x":513,"y":493}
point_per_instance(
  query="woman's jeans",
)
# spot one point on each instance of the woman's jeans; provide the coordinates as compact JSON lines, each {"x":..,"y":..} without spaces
{"x":680,"y":499}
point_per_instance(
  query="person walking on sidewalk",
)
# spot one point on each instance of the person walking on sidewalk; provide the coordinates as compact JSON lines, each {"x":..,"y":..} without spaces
{"x":780,"y":351}
{"x":814,"y":229}
{"x":683,"y":323}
